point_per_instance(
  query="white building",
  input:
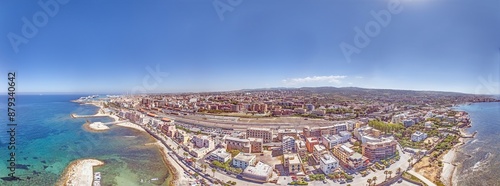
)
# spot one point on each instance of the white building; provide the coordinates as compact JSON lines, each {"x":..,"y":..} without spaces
{"x":293,"y":163}
{"x":243,"y":160}
{"x":288,"y":144}
{"x":398,"y":118}
{"x":329,"y":141}
{"x":418,"y":136}
{"x":428,"y":125}
{"x":220,"y":155}
{"x":260,"y":173}
{"x":328,"y":163}
{"x":341,"y":127}
{"x":203,"y":141}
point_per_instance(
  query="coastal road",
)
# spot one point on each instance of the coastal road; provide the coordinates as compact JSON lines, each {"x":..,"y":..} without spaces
{"x":425,"y":180}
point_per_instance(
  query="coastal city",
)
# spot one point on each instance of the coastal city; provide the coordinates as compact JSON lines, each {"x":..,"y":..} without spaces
{"x":250,"y":93}
{"x":302,"y":136}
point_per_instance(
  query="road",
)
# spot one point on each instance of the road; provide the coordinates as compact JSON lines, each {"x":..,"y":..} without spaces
{"x":425,"y":180}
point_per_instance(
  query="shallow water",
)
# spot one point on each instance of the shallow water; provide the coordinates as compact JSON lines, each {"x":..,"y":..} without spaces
{"x":480,"y":157}
{"x":48,"y":139}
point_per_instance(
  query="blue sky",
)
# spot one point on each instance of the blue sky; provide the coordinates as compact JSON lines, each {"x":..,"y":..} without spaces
{"x":107,"y":47}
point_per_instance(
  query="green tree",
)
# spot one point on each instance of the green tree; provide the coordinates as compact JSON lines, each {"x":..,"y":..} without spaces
{"x":213,"y":172}
{"x":204,"y":167}
{"x":234,"y":152}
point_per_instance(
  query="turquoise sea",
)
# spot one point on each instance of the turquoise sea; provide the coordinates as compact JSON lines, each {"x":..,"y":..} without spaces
{"x":48,"y":139}
{"x":479,"y":158}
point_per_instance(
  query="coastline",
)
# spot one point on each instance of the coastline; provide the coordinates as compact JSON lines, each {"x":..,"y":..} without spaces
{"x":79,"y":172}
{"x":174,"y":172}
{"x":448,"y":172}
{"x":132,"y":126}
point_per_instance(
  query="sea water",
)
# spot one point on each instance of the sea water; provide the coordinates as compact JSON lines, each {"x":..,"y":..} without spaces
{"x":48,"y":139}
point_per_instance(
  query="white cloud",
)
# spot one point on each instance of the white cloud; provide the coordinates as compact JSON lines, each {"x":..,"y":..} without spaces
{"x":315,"y":79}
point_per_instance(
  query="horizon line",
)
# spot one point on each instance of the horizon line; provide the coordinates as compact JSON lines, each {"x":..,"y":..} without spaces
{"x":243,"y":89}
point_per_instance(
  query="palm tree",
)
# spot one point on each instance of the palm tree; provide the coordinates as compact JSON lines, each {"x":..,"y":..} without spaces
{"x":213,"y":172}
{"x":204,"y":166}
{"x":369,"y":181}
{"x":178,"y":147}
{"x":398,"y":170}
{"x":390,"y":174}
{"x":185,"y":154}
{"x":374,"y":180}
{"x":385,"y":172}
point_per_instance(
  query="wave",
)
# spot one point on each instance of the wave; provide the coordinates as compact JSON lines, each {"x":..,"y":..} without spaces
{"x":484,"y":161}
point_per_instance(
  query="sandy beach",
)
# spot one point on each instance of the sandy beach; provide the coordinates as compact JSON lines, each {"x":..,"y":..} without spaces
{"x":79,"y":172}
{"x":131,"y":125}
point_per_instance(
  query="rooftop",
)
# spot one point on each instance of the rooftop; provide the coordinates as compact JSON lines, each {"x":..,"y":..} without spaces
{"x":319,"y":148}
{"x":259,"y":129}
{"x":328,"y":159}
{"x":244,"y":157}
{"x":292,"y":158}
{"x":331,"y":137}
{"x":347,"y":149}
{"x":237,"y":139}
{"x":260,"y":172}
{"x":356,"y":156}
{"x":287,"y":131}
{"x":344,"y":133}
{"x":221,"y":153}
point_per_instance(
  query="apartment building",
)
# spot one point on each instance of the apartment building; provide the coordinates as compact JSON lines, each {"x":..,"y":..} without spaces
{"x":329,"y":141}
{"x":256,"y":145}
{"x":242,"y":145}
{"x":418,"y":136}
{"x":288,"y":144}
{"x":265,"y":134}
{"x":201,"y":141}
{"x":328,"y":163}
{"x":243,"y":160}
{"x":292,"y":163}
{"x":310,"y":143}
{"x":379,"y":150}
{"x":286,"y":132}
{"x":220,"y":155}
{"x":349,"y":158}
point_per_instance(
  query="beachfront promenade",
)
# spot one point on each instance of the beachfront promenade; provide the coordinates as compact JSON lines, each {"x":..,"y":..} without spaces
{"x":89,"y":116}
